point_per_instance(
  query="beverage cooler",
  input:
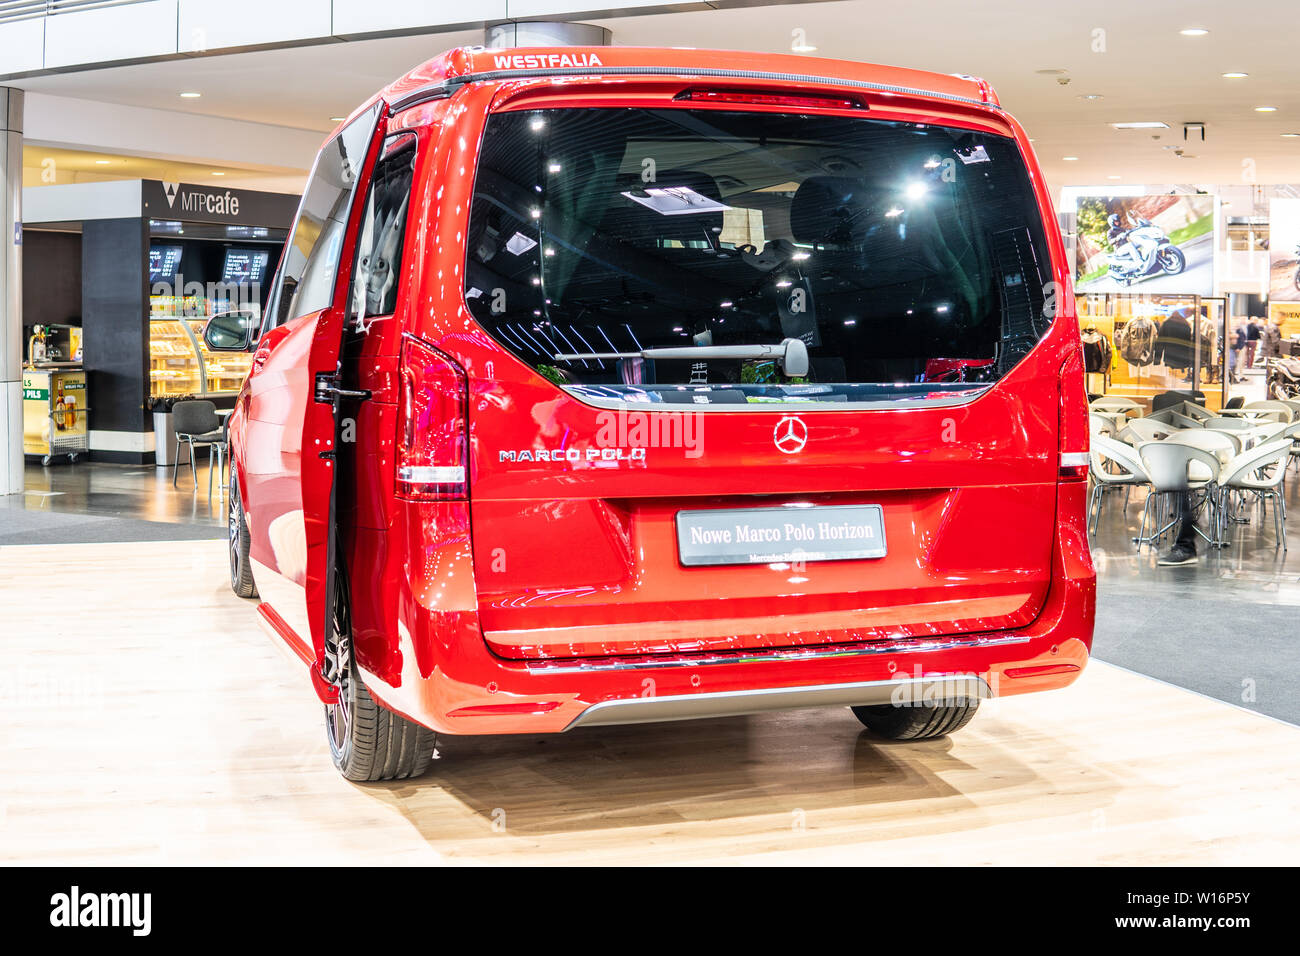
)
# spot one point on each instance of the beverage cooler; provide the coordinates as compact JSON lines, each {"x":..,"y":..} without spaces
{"x":55,"y":411}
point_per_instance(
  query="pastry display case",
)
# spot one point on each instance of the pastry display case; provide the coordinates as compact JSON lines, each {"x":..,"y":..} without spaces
{"x":223,"y":372}
{"x":179,"y":364}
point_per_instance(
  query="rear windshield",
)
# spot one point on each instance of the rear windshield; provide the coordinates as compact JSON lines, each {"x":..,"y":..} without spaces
{"x":907,"y":261}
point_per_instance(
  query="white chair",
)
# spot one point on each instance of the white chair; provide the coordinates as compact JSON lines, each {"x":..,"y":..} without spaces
{"x":1272,"y":410}
{"x":1174,"y":469}
{"x":1225,"y":447}
{"x":1102,"y":424}
{"x":1199,"y":412}
{"x":1180,"y":420}
{"x":1111,"y":464}
{"x":1234,"y":437}
{"x":1221,"y":444}
{"x":1259,"y":472}
{"x":1141,"y":430}
{"x":1115,"y":404}
{"x":1292,"y":432}
{"x":1227,"y":424}
{"x":1269,"y":431}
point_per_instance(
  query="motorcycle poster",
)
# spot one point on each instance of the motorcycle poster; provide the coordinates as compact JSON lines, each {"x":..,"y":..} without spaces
{"x":1284,"y":250}
{"x":1158,"y":243}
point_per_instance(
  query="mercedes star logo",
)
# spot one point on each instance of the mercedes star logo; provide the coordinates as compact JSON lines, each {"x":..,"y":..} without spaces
{"x":790,"y":435}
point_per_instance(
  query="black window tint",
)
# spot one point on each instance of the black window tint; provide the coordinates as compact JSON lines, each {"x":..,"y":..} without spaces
{"x":898,"y":253}
{"x":383,"y":229}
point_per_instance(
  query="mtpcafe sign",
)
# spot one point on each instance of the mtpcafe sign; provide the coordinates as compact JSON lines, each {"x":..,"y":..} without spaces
{"x":189,"y":202}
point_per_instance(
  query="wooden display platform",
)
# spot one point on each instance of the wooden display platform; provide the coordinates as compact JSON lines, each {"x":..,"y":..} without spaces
{"x":148,"y":720}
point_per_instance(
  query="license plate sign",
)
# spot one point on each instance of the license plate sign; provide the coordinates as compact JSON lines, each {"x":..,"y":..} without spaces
{"x":771,"y":535}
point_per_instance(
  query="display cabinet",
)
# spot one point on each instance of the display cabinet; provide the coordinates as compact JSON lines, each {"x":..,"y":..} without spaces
{"x":223,"y":372}
{"x":179,"y":363}
{"x":174,"y":363}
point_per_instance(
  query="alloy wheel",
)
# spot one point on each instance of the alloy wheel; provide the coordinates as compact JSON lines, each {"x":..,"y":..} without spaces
{"x":232,"y":534}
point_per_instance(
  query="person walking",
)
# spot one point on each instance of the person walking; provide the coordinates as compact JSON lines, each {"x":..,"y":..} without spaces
{"x":1237,"y":350}
{"x":1252,"y":340}
{"x":1271,"y":337}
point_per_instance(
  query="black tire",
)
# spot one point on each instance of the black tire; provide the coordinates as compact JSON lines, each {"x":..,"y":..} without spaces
{"x":917,"y":722}
{"x":241,"y":572}
{"x":1172,"y":260}
{"x":368,"y":742}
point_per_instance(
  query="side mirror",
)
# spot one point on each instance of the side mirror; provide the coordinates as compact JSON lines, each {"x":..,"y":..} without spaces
{"x":230,"y":331}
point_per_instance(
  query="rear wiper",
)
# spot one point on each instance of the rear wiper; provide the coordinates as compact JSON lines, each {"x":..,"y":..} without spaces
{"x":791,"y":353}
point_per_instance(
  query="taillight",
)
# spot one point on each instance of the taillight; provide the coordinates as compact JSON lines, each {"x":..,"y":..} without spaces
{"x":432,"y":448}
{"x":1072,"y":419}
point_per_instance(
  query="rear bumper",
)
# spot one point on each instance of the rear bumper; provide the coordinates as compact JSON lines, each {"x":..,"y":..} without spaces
{"x":912,"y":690}
{"x":448,"y":678}
{"x":471,"y":691}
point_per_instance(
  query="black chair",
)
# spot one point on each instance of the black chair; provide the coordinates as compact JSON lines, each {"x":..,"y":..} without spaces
{"x":194,"y":423}
{"x":1237,"y":401}
{"x":1176,"y":397}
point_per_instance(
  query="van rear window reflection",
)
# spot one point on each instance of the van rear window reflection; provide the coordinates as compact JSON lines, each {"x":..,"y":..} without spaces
{"x":907,"y":259}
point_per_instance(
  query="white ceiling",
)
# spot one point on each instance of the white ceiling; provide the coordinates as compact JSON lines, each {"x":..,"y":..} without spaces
{"x":1147,"y":71}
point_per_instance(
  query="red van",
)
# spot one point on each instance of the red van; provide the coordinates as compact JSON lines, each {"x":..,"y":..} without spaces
{"x":612,"y":385}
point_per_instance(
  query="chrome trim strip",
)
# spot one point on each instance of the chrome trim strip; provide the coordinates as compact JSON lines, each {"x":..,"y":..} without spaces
{"x":811,"y":406}
{"x":783,"y":656}
{"x":446,"y":86}
{"x":911,"y":690}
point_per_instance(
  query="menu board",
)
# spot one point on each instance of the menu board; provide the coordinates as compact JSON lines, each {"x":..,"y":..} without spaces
{"x":244,"y":265}
{"x":163,"y":262}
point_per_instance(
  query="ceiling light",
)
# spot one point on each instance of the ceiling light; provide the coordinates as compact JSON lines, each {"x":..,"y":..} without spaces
{"x":803,"y":48}
{"x":1194,"y":32}
{"x":190,"y":95}
{"x":217,"y":172}
{"x":896,"y":211}
{"x":337,"y":119}
{"x":1235,"y":76}
{"x":1291,"y":135}
{"x":1091,"y":96}
{"x":915,"y":190}
{"x":1070,"y":159}
{"x":1049,"y":72}
{"x":1143,"y":124}
{"x":1265,"y":109}
{"x":102,"y":162}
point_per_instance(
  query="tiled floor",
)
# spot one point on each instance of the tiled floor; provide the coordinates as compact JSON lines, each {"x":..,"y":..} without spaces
{"x":140,"y":492}
{"x":186,"y":735}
